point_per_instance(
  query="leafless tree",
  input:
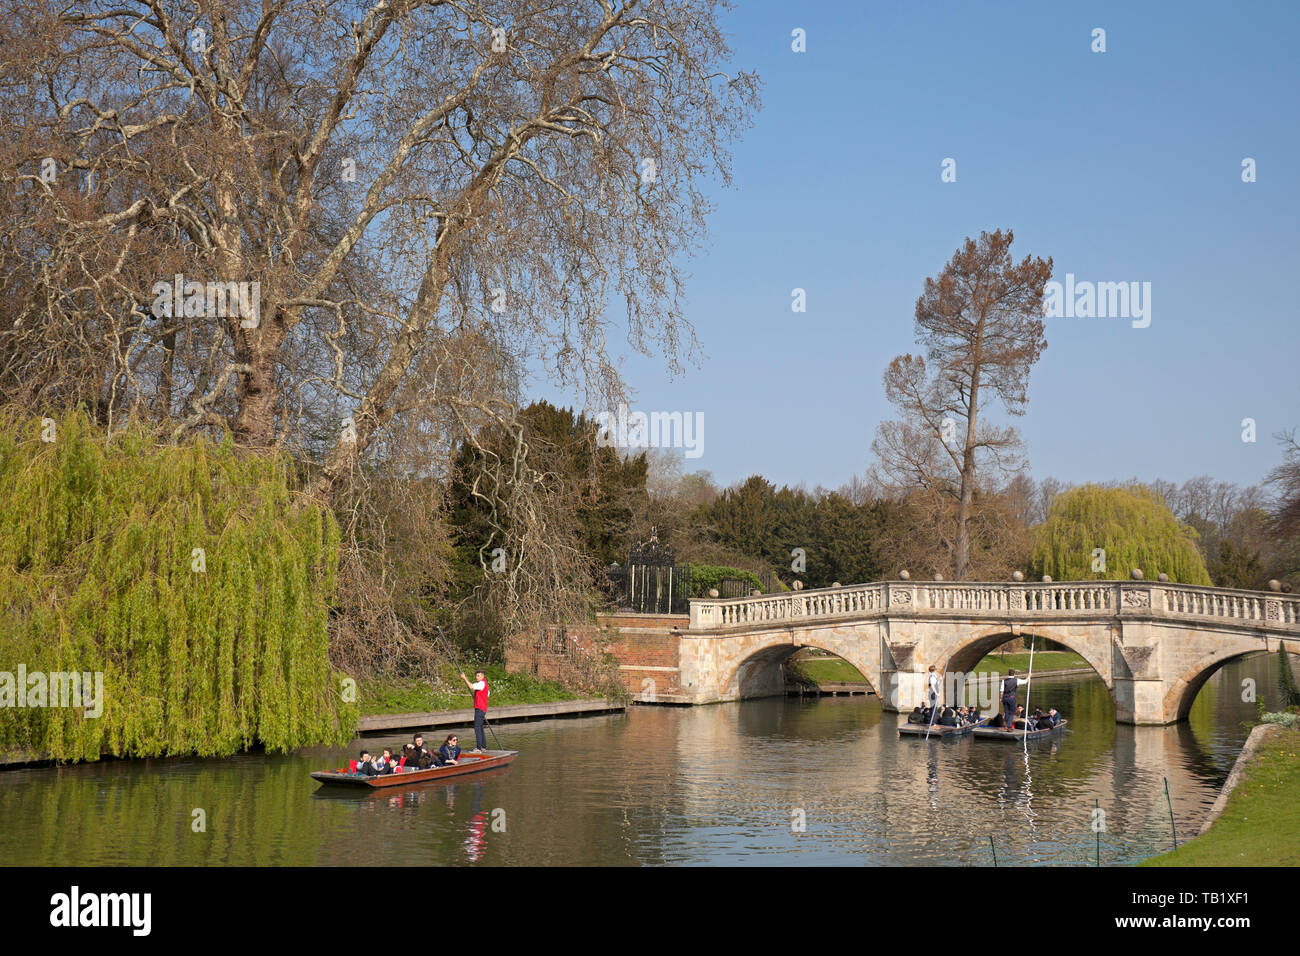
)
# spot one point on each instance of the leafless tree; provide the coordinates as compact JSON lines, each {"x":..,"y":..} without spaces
{"x":412,"y":183}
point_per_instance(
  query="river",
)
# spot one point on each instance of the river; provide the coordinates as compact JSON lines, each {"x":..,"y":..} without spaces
{"x":781,"y":781}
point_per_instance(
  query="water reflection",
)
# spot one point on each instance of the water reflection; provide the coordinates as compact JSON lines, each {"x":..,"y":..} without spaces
{"x":720,"y":784}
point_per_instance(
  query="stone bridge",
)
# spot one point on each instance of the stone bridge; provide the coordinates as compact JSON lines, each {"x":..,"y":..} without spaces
{"x":1153,"y":643}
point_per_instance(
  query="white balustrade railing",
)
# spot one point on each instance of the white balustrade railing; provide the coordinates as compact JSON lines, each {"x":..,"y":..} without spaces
{"x":1007,"y":599}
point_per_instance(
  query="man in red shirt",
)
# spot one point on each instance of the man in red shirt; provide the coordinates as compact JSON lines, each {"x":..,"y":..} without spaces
{"x":480,"y":690}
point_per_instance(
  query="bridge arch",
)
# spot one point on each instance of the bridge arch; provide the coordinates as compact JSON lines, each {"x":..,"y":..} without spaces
{"x":1183,"y":690}
{"x":755,"y":670}
{"x":969,"y":652}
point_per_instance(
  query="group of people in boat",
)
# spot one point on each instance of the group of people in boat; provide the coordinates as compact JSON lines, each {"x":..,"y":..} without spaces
{"x":1039,"y":720}
{"x":1012,"y":715}
{"x":415,"y":756}
{"x":922,"y":713}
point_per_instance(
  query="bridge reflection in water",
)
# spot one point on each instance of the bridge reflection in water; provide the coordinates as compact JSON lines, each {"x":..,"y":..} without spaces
{"x":717,"y":784}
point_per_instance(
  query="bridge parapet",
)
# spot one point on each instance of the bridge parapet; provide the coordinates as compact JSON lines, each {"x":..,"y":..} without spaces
{"x":1023,"y":600}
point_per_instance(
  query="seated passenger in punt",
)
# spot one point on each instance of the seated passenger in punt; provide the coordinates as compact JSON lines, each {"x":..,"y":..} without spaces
{"x":366,"y":764}
{"x":1021,"y":722}
{"x":449,"y":752}
{"x":948,"y":718}
{"x":423,"y":757}
{"x":917,"y":716}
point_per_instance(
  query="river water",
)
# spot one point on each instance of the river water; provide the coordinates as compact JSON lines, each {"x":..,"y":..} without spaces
{"x":779,"y":781}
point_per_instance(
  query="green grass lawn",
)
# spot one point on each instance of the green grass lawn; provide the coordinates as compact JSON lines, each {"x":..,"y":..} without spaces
{"x":826,"y":670}
{"x":446,"y":692}
{"x":1261,"y":824}
{"x":1043,"y":661}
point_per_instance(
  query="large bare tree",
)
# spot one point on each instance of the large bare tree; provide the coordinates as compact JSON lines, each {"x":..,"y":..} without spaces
{"x":980,"y":321}
{"x":432,"y":196}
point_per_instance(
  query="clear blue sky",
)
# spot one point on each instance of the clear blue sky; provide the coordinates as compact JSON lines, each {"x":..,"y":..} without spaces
{"x":1122,"y":166}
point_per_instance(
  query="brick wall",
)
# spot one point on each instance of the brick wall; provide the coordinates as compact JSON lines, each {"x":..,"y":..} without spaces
{"x":643,"y":644}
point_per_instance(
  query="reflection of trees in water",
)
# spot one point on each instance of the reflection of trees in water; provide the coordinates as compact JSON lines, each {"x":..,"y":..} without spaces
{"x":667,"y":785}
{"x":139,"y":813}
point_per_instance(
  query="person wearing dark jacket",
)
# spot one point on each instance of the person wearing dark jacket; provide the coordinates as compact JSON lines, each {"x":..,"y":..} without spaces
{"x":423,"y":756}
{"x":1010,"y":684}
{"x":449,"y":752}
{"x":366,"y":764}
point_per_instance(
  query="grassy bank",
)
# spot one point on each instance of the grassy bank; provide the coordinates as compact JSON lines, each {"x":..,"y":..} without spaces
{"x":1043,"y":661}
{"x":1260,"y":826}
{"x":445,"y":691}
{"x":825,"y":670}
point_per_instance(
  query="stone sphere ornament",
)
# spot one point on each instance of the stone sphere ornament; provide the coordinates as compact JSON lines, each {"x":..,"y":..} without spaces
{"x":1274,"y":584}
{"x":1136,"y":574}
{"x":713,"y":592}
{"x":903,"y":575}
{"x":938,"y":576}
{"x":798,"y":585}
{"x":1047,"y":579}
{"x":1163,"y":577}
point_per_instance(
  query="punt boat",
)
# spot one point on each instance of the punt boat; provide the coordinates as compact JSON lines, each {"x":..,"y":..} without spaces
{"x":1001,"y":733}
{"x":469,"y":763}
{"x":938,"y":730}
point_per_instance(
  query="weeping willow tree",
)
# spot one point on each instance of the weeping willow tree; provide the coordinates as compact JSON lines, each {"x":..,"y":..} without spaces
{"x":191,"y":577}
{"x":1132,"y":526}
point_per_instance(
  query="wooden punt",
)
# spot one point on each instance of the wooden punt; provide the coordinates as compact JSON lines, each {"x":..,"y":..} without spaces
{"x":938,"y":730}
{"x":469,"y":763}
{"x":1001,"y":733}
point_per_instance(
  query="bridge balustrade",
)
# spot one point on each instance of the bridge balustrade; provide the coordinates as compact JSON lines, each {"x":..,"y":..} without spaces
{"x":1019,"y":598}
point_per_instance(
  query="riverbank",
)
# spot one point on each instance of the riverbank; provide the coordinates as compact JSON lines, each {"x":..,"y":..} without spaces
{"x":402,"y":704}
{"x":1258,"y":817}
{"x":445,"y":691}
{"x":464,"y":716}
{"x":1045,"y":663}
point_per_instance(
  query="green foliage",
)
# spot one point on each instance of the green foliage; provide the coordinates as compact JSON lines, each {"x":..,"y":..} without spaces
{"x":1235,"y":566}
{"x":1286,"y":682}
{"x":97,"y":556}
{"x":602,"y":488}
{"x":446,"y":692}
{"x":1132,"y":525}
{"x":836,"y":535}
{"x":706,"y":576}
{"x":1282,"y":719}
